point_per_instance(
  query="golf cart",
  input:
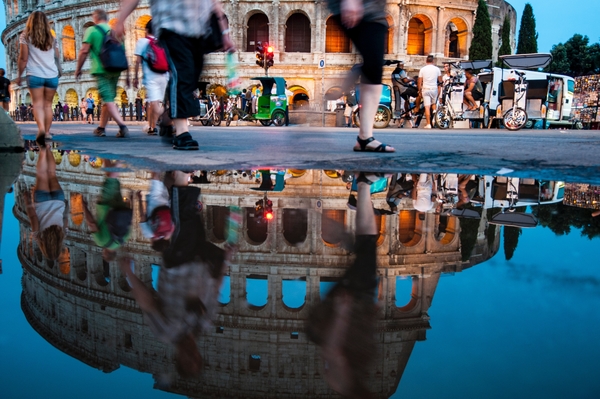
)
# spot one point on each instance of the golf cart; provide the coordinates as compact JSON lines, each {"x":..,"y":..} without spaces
{"x":270,"y":107}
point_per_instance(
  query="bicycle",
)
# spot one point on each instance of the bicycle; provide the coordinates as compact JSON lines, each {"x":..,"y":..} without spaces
{"x":516,"y":116}
{"x":212,"y":114}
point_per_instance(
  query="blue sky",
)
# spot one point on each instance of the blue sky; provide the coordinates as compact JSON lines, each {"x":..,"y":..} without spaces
{"x":556,"y":21}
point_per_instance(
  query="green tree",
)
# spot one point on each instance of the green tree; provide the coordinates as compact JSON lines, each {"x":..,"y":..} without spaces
{"x":560,"y":62}
{"x":527,"y":34}
{"x":481,"y":45}
{"x":511,"y":240}
{"x":505,"y":47}
{"x":578,"y":54}
{"x":576,"y":57}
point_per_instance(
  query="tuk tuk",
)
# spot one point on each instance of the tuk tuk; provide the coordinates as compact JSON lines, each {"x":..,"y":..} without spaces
{"x":271,"y":104}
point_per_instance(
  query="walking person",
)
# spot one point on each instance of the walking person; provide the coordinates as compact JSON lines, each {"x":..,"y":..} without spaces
{"x":106,"y":81}
{"x":38,"y":54}
{"x":154,"y":82}
{"x":91,"y":105}
{"x":4,"y":90}
{"x":430,"y":78}
{"x":181,"y":26}
{"x":83,"y":108}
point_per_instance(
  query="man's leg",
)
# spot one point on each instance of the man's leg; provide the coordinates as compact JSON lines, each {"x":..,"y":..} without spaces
{"x":468,"y":100}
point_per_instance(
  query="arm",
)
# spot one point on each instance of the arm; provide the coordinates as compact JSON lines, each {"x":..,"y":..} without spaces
{"x":142,"y":294}
{"x":83,"y":54}
{"x":420,"y":84}
{"x":127,"y":7}
{"x":470,"y":87}
{"x":22,"y":63}
{"x":57,"y":61}
{"x":30,"y":209}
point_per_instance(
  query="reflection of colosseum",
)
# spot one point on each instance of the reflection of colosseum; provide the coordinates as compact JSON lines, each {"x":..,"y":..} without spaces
{"x":301,"y":31}
{"x":83,"y":306}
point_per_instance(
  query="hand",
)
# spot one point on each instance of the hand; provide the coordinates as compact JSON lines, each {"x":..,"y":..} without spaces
{"x":118,"y":30}
{"x":136,"y":82}
{"x":18,"y":81}
{"x":77,"y":74}
{"x":352,"y":12}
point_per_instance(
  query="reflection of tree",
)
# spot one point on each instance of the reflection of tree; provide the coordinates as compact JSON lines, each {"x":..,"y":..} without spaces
{"x":490,"y":231}
{"x":560,"y":218}
{"x":511,"y":240}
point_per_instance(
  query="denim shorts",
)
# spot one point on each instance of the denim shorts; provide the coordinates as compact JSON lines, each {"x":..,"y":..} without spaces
{"x":35,"y":82}
{"x":43,"y":196}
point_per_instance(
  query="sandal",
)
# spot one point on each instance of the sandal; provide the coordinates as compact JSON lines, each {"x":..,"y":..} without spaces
{"x":363,"y":146}
{"x":185,"y":142}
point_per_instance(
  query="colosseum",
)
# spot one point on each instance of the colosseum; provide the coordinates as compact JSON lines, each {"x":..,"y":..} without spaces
{"x":83,"y":306}
{"x":301,"y":32}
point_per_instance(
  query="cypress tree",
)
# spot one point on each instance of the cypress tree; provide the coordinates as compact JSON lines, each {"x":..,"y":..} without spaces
{"x":481,"y":45}
{"x":505,"y":47}
{"x":527,"y":34}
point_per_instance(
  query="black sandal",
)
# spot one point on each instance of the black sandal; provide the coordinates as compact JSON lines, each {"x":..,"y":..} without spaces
{"x":363,"y":146}
{"x":185,"y":142}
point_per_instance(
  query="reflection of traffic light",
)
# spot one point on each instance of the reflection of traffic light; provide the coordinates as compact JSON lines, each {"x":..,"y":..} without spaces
{"x":260,"y":54}
{"x":268,"y":210}
{"x":269,"y":57}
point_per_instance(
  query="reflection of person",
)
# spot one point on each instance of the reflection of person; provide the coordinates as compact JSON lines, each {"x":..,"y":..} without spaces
{"x":47,"y":213}
{"x":112,"y":226}
{"x":180,"y":26}
{"x":423,"y":192}
{"x":156,"y":221}
{"x":473,"y":90}
{"x":39,"y":55}
{"x":365,"y":23}
{"x":343,"y":324}
{"x":429,"y":79}
{"x":4,"y":90}
{"x":106,"y":81}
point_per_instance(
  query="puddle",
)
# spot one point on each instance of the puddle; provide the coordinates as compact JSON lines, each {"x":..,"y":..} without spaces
{"x":479,"y":282}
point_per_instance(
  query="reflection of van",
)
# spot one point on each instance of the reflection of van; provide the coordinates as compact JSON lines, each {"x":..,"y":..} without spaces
{"x":508,"y":192}
{"x":549,"y":96}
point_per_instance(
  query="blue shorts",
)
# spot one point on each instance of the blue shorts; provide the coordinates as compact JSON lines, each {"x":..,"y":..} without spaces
{"x":34,"y":82}
{"x":4,"y":99}
{"x":43,"y":196}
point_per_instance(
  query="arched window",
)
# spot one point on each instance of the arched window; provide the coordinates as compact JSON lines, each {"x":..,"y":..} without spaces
{"x":332,"y":224}
{"x":297,"y":34}
{"x":336,"y":40}
{"x":295,"y":225}
{"x":388,"y":45}
{"x":456,"y":38}
{"x":219,"y":216}
{"x":140,"y":26}
{"x":256,"y":227}
{"x":68,"y":43}
{"x":416,"y":37}
{"x":258,"y":31}
{"x":71,"y":98}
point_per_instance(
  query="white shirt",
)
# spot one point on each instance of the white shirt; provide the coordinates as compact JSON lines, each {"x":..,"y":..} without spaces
{"x":149,"y":74}
{"x":430,"y":74}
{"x":40,"y":63}
{"x":50,"y":213}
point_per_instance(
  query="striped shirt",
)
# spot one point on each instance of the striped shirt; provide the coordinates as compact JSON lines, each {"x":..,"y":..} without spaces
{"x":185,"y":17}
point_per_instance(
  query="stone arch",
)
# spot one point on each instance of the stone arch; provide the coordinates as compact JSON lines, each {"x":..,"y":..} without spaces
{"x":79,"y":264}
{"x":257,"y":291}
{"x":419,"y":35}
{"x":295,"y":225}
{"x":336,"y":40}
{"x":330,"y":226}
{"x":414,"y":295}
{"x":455,"y":38}
{"x":140,"y":27}
{"x":388,"y":47}
{"x":218,"y":216}
{"x":71,"y":98}
{"x":300,"y":97}
{"x":257,"y":29}
{"x":101,"y":273}
{"x":293,"y":294}
{"x":409,"y":227}
{"x":446,"y":229}
{"x":121,"y":96}
{"x":76,"y":207}
{"x":64,"y":262}
{"x":68,"y":43}
{"x":256,"y":228}
{"x":297,"y":33}
{"x":27,"y":98}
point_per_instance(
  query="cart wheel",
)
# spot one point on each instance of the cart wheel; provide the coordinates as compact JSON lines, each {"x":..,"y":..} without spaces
{"x":578,"y":125}
{"x":382,"y":117}
{"x":228,"y":118}
{"x":442,"y":117}
{"x":266,"y":122}
{"x":278,"y":117}
{"x":529,"y":124}
{"x":356,"y":117}
{"x":216,"y":121}
{"x":515,"y":118}
{"x":486,"y":117}
{"x":204,"y":122}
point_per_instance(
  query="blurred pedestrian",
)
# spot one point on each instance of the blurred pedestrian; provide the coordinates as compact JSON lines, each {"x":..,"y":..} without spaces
{"x":4,"y":90}
{"x":83,"y":108}
{"x":38,"y":54}
{"x":430,"y":79}
{"x":106,"y":81}
{"x":90,"y":108}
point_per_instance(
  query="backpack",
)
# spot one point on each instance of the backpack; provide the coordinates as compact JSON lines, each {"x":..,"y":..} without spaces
{"x":156,"y":57}
{"x":118,"y":222}
{"x":112,"y":53}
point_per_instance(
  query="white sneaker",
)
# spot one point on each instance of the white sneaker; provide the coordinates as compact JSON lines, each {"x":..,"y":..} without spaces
{"x":427,"y":126}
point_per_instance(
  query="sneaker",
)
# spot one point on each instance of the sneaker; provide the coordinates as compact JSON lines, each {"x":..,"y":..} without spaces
{"x":185,"y":142}
{"x":99,"y":132}
{"x":123,"y":132}
{"x":427,"y":126}
{"x":152,"y":132}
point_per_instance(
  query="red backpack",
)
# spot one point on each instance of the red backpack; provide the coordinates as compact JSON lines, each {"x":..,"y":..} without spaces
{"x":156,"y":57}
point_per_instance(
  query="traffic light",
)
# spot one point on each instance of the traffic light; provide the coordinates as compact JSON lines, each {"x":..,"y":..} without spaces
{"x":269,"y":57}
{"x":268,"y":210}
{"x":260,"y":55}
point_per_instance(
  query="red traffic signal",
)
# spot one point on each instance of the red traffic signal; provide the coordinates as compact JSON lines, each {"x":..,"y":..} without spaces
{"x":270,"y":50}
{"x":268,"y":215}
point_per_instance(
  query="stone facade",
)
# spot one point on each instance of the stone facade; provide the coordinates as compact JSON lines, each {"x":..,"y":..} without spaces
{"x":417,"y":28}
{"x":84,"y":306}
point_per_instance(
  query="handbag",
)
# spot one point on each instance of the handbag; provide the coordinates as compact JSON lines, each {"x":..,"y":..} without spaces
{"x":213,"y":39}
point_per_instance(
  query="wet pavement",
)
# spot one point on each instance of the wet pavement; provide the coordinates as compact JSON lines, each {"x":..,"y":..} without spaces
{"x":453,"y":274}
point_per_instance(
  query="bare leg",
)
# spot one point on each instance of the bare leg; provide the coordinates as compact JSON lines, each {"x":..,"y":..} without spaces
{"x":365,"y":218}
{"x":41,"y":169}
{"x":370,"y":96}
{"x":154,"y":111}
{"x":181,"y":126}
{"x":110,"y":109}
{"x":48,"y":97}
{"x":39,"y":109}
{"x":51,"y":165}
{"x":469,"y":101}
{"x":428,"y":115}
